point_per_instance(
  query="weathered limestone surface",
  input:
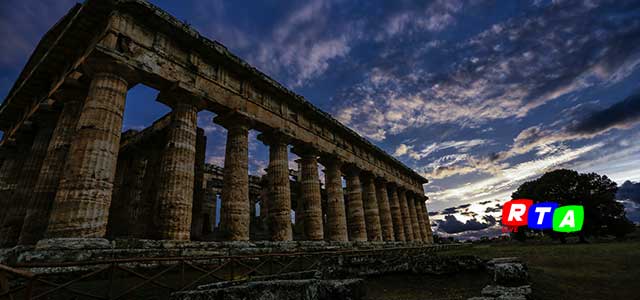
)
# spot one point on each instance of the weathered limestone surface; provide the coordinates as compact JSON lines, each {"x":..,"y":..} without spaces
{"x":175,"y":195}
{"x":279,"y":191}
{"x":371,"y":212}
{"x":420,"y":215}
{"x":355,"y":208}
{"x":385,"y":211}
{"x":300,"y":289}
{"x":336,"y":218}
{"x":406,"y":217}
{"x":81,"y":206}
{"x":197,"y":215}
{"x":210,"y":207}
{"x":9,"y":174}
{"x":135,"y":207}
{"x":17,"y":208}
{"x":310,"y":197}
{"x":426,"y":225}
{"x":396,"y":214}
{"x":415,"y":225}
{"x":234,"y":213}
{"x":14,"y":159}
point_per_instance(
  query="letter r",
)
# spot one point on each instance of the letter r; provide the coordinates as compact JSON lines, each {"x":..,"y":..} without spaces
{"x":515,"y":212}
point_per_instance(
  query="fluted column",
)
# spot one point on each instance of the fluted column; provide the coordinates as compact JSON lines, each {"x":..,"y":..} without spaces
{"x":135,"y":208}
{"x":310,"y":196}
{"x":279,"y":196}
{"x":234,"y":210}
{"x":177,"y":172}
{"x":336,"y":218}
{"x":355,"y":208}
{"x":197,"y":219}
{"x":385,"y":212}
{"x":371,"y":212}
{"x":396,"y":214}
{"x":81,"y":206}
{"x":420,"y":215}
{"x":264,"y":205}
{"x":427,"y":223}
{"x":406,"y":216}
{"x":14,"y":159}
{"x":415,"y":226}
{"x":17,"y":208}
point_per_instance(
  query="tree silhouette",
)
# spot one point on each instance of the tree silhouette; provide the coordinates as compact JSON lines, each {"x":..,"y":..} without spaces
{"x":596,"y":193}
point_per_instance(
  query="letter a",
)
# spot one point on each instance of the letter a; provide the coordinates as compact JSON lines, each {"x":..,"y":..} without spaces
{"x":568,"y":218}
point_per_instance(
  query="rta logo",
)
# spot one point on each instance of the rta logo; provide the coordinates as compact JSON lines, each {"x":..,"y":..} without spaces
{"x":544,"y":215}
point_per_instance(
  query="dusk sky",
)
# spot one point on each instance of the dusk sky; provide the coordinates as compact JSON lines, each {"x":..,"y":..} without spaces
{"x":477,"y":96}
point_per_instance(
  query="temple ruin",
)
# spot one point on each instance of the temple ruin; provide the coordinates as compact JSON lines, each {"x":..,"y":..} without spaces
{"x":68,"y":171}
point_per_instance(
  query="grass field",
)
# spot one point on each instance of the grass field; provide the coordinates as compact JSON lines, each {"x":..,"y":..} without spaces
{"x":599,"y":270}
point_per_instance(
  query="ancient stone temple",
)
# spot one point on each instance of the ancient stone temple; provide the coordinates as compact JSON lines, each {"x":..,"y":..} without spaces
{"x":68,"y":171}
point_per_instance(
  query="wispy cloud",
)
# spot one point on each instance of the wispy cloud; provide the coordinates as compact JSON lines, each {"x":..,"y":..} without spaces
{"x":503,"y":72}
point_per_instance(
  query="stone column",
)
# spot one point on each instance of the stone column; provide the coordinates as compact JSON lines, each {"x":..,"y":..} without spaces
{"x":197,"y":219}
{"x":264,"y":204}
{"x":421,"y":218}
{"x":355,"y":208}
{"x":177,"y":172}
{"x":427,"y":223}
{"x":310,"y":196}
{"x":234,"y":210}
{"x":396,"y":213}
{"x":81,"y":206}
{"x":135,"y":209}
{"x":406,"y":217}
{"x":279,"y":191}
{"x":385,"y":212}
{"x":253,"y":199}
{"x":336,"y":219}
{"x":17,"y":208}
{"x":210,"y":206}
{"x":15,"y":156}
{"x":415,"y":226}
{"x":371,"y":212}
{"x":44,"y":191}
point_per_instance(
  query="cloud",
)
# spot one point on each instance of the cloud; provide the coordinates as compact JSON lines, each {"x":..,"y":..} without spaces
{"x":302,"y":46}
{"x":503,"y":72}
{"x":500,"y":185}
{"x":623,"y":114}
{"x":629,"y":191}
{"x":451,"y":224}
{"x":459,"y":146}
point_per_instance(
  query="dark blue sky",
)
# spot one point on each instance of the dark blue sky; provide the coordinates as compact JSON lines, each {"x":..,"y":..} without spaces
{"x":478,"y":96}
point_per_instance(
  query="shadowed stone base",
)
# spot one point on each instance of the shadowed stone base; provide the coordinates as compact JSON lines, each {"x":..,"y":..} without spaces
{"x":306,"y":289}
{"x":96,"y":249}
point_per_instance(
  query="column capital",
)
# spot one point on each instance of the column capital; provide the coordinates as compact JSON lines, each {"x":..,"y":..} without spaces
{"x":70,"y":91}
{"x":367,"y":175}
{"x":330,"y":159}
{"x":234,"y":119}
{"x":98,"y":64}
{"x":176,"y":94}
{"x":275,"y":137}
{"x":305,"y":149}
{"x":351,"y":169}
{"x":381,"y":180}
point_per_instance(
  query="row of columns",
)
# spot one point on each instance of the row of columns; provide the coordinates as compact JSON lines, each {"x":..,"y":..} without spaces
{"x":65,"y":185}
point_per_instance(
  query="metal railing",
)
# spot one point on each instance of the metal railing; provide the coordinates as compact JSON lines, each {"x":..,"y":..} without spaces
{"x":157,"y":277}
